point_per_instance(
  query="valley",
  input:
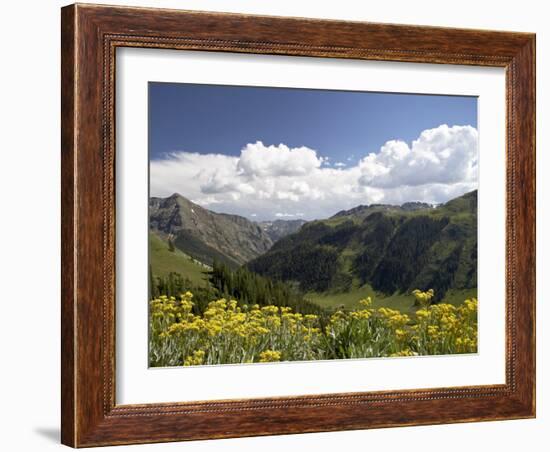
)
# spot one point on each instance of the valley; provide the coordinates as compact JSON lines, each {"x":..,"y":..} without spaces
{"x":378,"y":251}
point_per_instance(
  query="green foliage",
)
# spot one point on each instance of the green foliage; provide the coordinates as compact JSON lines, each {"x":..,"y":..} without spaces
{"x":309,"y":257}
{"x":172,"y":285}
{"x":175,"y":284}
{"x":375,"y":238}
{"x":312,"y":266}
{"x":340,"y":236}
{"x":389,"y":248}
{"x":250,"y":289}
{"x":466,"y":203}
{"x":407,"y":253}
{"x":153,"y":291}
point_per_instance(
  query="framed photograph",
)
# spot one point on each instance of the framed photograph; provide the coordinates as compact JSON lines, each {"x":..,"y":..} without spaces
{"x":281,"y":225}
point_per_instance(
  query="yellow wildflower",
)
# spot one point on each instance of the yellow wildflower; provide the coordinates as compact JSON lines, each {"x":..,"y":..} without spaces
{"x":400,"y":334}
{"x":366,"y":302}
{"x":269,"y":356}
{"x":195,"y":359}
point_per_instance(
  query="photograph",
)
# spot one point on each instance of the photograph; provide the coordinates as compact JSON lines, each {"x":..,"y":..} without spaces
{"x":292,"y":224}
{"x":280,"y":226}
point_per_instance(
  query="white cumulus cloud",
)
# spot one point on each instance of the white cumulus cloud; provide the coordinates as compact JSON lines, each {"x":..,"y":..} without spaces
{"x":278,"y":181}
{"x":443,"y":155}
{"x":258,"y":160}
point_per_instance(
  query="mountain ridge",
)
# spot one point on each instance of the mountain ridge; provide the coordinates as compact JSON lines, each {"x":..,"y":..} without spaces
{"x":392,"y":249}
{"x":363,"y":210}
{"x":207,"y":235}
{"x":277,"y":229}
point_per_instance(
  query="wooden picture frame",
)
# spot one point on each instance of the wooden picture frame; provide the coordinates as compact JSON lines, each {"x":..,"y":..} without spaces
{"x":90,"y":36}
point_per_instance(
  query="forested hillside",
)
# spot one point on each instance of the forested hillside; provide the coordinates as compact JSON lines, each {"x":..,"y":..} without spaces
{"x":394,"y":249}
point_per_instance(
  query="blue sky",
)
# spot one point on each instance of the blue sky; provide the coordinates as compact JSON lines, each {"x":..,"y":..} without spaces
{"x":268,"y":153}
{"x":338,"y":124}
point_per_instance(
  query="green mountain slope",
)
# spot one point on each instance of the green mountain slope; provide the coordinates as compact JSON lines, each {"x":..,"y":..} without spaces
{"x":163,"y":261}
{"x":393,"y":249}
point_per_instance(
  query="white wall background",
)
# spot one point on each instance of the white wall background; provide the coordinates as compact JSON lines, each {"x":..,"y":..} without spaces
{"x":29,"y":178}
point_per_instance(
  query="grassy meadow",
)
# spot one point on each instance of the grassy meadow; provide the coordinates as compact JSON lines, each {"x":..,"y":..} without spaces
{"x":350,"y":300}
{"x":166,"y":260}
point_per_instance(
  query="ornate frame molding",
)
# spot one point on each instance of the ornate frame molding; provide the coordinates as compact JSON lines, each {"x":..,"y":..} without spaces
{"x":90,"y":37}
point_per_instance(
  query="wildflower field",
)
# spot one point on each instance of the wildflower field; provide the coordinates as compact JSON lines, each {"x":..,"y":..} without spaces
{"x":229,"y":333}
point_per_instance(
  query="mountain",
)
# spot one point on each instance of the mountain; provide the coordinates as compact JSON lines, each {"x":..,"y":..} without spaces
{"x":394,"y":249}
{"x":205,"y":235}
{"x":165,"y":260}
{"x":362,"y":212}
{"x":278,"y":229}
